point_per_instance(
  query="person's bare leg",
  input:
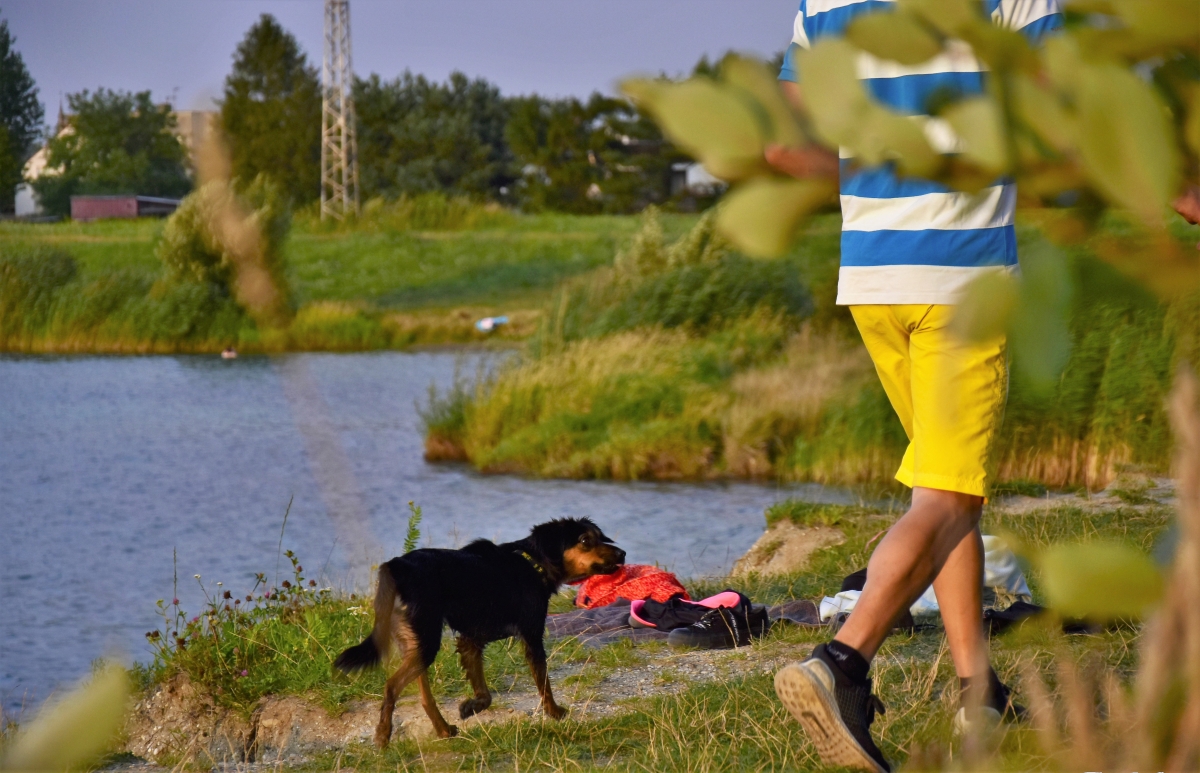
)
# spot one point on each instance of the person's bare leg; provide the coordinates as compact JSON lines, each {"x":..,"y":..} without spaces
{"x":907,"y":560}
{"x":959,"y":589}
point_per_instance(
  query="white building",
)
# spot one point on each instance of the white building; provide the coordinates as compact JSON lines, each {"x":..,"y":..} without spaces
{"x":27,"y":204}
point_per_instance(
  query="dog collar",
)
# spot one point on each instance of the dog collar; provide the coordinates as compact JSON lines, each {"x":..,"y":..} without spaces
{"x":540,"y":569}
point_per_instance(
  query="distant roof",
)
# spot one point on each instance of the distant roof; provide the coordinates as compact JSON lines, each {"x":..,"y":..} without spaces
{"x":142,"y":199}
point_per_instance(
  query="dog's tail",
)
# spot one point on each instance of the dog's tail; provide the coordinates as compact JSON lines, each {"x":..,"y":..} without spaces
{"x":372,"y":650}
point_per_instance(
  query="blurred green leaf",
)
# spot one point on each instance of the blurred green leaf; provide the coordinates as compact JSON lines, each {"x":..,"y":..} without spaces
{"x":885,"y":136}
{"x":74,"y":730}
{"x":833,"y":94}
{"x":999,"y":48}
{"x":1099,"y":581}
{"x":977,"y":122}
{"x":1039,"y":332}
{"x":1126,"y":140}
{"x":1165,"y":22}
{"x":1191,"y":127}
{"x":899,"y":36}
{"x":947,"y":16}
{"x":1064,"y":63}
{"x":1090,"y":6}
{"x":714,"y":123}
{"x":986,"y":309}
{"x":760,"y":216}
{"x":1044,"y":113}
{"x":760,"y":83}
{"x":844,"y":116}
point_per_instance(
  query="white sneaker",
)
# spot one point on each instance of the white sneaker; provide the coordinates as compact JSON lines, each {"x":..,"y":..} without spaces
{"x":983,"y":721}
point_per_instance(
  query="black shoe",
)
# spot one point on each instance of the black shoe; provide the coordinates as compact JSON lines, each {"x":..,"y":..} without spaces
{"x":835,"y":712}
{"x":724,"y":627}
{"x":720,"y":628}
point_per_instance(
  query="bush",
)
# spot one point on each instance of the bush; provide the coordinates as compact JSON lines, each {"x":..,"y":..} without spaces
{"x":696,"y":283}
{"x":233,"y":243}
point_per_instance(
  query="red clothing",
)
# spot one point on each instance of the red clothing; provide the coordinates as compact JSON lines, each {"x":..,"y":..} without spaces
{"x":633,"y":582}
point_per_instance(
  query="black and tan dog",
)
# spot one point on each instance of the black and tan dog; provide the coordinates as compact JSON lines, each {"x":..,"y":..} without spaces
{"x":484,"y":592}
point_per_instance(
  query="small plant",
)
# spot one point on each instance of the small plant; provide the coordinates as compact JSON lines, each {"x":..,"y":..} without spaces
{"x":231,"y":645}
{"x":444,"y":417}
{"x":413,"y":533}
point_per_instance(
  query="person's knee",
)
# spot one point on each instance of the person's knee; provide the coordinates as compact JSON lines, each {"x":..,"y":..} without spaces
{"x":961,"y":512}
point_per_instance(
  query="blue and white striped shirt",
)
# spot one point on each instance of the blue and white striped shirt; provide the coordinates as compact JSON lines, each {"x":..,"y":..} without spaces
{"x":911,"y":240}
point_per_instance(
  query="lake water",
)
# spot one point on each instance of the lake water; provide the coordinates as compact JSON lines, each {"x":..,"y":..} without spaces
{"x":119,"y":474}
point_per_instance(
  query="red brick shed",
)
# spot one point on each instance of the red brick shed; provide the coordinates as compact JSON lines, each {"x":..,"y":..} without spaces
{"x":85,"y":208}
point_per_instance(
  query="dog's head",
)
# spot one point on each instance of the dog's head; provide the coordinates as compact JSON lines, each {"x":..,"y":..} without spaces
{"x":583,"y":548}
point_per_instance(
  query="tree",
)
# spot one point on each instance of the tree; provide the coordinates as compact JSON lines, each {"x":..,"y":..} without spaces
{"x":20,"y":116}
{"x":115,"y":142}
{"x":415,"y":136}
{"x":271,"y":113}
{"x":598,"y":156}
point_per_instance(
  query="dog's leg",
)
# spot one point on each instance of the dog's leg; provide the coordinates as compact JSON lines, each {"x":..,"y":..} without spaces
{"x":470,"y":654}
{"x":535,"y":655}
{"x":440,"y":726}
{"x":410,"y":668}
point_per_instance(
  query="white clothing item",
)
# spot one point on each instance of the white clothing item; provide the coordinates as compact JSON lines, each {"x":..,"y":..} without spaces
{"x":1000,"y":571}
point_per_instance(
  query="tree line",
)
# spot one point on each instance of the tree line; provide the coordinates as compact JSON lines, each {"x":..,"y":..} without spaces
{"x":460,"y":138}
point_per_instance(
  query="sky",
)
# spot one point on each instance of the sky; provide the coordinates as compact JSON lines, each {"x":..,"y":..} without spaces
{"x":182,"y":51}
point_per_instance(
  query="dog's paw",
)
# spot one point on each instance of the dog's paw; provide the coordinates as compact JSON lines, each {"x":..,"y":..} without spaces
{"x":554,"y":711}
{"x":472,"y":706}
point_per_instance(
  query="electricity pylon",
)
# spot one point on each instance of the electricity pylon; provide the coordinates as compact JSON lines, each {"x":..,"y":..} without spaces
{"x":339,"y":148}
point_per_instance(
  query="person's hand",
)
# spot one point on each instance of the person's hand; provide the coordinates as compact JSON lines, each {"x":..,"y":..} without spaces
{"x":1188,"y":204}
{"x":803,"y":163}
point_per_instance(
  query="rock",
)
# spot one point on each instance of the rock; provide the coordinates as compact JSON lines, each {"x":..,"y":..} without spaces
{"x":785,"y":548}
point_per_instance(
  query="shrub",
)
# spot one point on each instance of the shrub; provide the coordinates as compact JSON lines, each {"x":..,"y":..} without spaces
{"x":233,"y":242}
{"x":695,"y":283}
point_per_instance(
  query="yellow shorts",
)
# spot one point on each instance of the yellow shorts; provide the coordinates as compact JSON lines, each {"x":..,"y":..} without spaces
{"x":949,"y":393}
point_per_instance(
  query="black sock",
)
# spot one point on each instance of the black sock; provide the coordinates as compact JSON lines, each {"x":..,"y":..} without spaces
{"x":849,"y":660}
{"x":991,"y":687}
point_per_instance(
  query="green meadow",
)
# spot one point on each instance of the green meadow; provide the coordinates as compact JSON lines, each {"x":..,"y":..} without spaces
{"x":404,"y":274}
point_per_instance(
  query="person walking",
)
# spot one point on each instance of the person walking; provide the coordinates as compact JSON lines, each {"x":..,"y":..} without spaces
{"x":910,"y":248}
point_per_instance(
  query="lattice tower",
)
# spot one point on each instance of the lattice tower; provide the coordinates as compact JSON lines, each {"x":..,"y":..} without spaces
{"x":339,"y":147}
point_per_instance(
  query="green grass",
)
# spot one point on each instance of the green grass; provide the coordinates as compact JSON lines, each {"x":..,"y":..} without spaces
{"x":382,"y":283}
{"x":98,"y":247}
{"x":518,"y":264}
{"x":732,"y":723}
{"x":522,"y":258}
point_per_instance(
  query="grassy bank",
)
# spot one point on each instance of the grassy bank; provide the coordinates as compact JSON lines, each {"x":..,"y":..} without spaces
{"x":723,"y":716}
{"x":683,"y":360}
{"x":404,"y":274}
